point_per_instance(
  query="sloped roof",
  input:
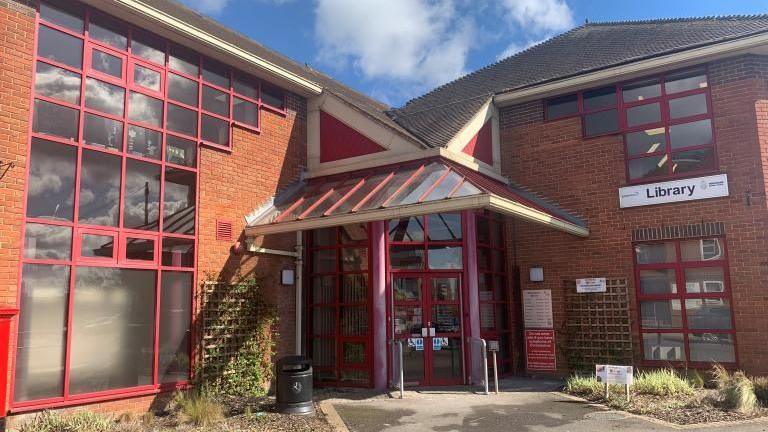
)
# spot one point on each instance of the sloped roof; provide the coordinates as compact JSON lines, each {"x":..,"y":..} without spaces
{"x":436,"y":116}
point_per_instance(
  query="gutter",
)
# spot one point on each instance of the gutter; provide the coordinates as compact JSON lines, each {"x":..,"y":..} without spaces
{"x":193,"y":32}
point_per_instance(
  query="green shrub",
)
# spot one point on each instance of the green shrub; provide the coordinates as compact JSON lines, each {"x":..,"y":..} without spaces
{"x":661,"y":382}
{"x":198,"y":407}
{"x":736,"y":391}
{"x":695,"y":378}
{"x":80,"y":422}
{"x":761,"y":389}
{"x":583,"y":385}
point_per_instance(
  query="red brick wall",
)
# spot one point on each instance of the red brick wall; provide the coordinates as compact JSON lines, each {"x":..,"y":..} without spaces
{"x":589,"y":173}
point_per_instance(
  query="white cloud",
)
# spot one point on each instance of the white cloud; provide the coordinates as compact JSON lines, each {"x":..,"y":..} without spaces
{"x":413,"y":42}
{"x":540,"y":15}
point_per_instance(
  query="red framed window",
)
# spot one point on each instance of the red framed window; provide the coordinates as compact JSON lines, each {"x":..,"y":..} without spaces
{"x":339,"y":298}
{"x":433,"y":242}
{"x":492,"y":284}
{"x":665,"y":121}
{"x":684,"y":297}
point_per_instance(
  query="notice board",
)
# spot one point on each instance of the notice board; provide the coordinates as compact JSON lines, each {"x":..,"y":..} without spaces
{"x":537,"y":308}
{"x":540,"y":350}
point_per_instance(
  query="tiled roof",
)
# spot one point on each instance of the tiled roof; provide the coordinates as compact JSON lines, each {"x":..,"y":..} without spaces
{"x":436,"y":116}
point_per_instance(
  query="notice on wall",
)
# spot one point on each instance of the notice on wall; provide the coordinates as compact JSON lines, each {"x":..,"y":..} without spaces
{"x":591,"y":285}
{"x":537,"y":309}
{"x":540,"y":350}
{"x":674,"y":191}
{"x":416,"y":343}
{"x":612,"y":374}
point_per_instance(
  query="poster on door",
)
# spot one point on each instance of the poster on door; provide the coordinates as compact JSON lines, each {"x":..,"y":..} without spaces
{"x":438,"y":343}
{"x":416,"y":343}
{"x":540,"y":350}
{"x":537,"y":308}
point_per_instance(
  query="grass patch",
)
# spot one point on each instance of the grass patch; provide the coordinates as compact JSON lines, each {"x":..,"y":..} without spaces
{"x":198,"y":408}
{"x":583,"y":385}
{"x":761,"y":389}
{"x":736,"y":391}
{"x":80,"y":422}
{"x":661,"y":382}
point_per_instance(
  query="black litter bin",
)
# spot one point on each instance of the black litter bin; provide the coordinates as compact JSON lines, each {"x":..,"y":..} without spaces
{"x":294,"y":385}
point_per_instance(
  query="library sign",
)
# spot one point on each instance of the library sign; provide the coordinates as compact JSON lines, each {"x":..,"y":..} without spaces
{"x":692,"y":189}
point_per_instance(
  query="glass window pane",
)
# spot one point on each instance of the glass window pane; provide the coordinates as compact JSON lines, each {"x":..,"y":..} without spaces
{"x":655,"y":253}
{"x":148,"y":47}
{"x":648,"y":167}
{"x":691,"y":134}
{"x":323,"y":289}
{"x":493,"y":317}
{"x":112,"y":329}
{"x":602,"y":122}
{"x":711,"y":347}
{"x":324,"y":355}
{"x":353,"y":352}
{"x":55,"y":82}
{"x":182,"y":90}
{"x":51,"y":184}
{"x":445,"y":289}
{"x":97,"y":246}
{"x":354,"y":288}
{"x":324,"y":261}
{"x":406,"y":257}
{"x":562,"y":106}
{"x":647,"y":141}
{"x":323,"y":321}
{"x":146,"y":77}
{"x":711,"y":313}
{"x":445,"y":187}
{"x":600,"y":98}
{"x":497,"y":234}
{"x":179,"y":201}
{"x":141,"y":208}
{"x":246,"y":86}
{"x":354,"y":320}
{"x":178,"y":252}
{"x":446,"y":318}
{"x":107,"y":63}
{"x":52,"y":119}
{"x":411,"y":193}
{"x":643,"y":114}
{"x":354,"y":259}
{"x":389,"y":188}
{"x":175,"y":327}
{"x":103,"y":132}
{"x":704,"y":280}
{"x":105,"y":30}
{"x":658,"y":281}
{"x":42,"y":330}
{"x":180,"y":151}
{"x":215,"y":73}
{"x":406,"y":229}
{"x":661,"y":314}
{"x":406,"y":289}
{"x":663,"y":346}
{"x":687,"y":80}
{"x":693,"y":160}
{"x":144,"y":142}
{"x":324,"y":237}
{"x":445,"y":257}
{"x":214,"y":130}
{"x":67,"y":15}
{"x":145,"y":109}
{"x":215,"y":101}
{"x":408,"y":319}
{"x":60,"y":47}
{"x":272,"y":96}
{"x":641,"y":90}
{"x":444,"y":227}
{"x":182,"y":120}
{"x":139,"y":249}
{"x":710,"y":249}
{"x":47,"y":242}
{"x":104,"y":97}
{"x":183,"y":61}
{"x":245,"y":112}
{"x":99,"y":189}
{"x":482,"y":229}
{"x":688,"y":106}
{"x":355,"y":233}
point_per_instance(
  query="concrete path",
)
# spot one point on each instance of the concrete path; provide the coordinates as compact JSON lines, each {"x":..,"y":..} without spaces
{"x":521,"y":406}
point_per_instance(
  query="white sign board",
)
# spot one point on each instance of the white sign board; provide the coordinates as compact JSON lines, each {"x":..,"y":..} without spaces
{"x":590,"y":285}
{"x":674,"y":191}
{"x":537,"y":309}
{"x":611,"y":374}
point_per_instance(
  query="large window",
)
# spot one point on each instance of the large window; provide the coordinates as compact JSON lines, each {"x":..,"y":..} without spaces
{"x":432,"y":242}
{"x":666,"y":122}
{"x":339,"y":298}
{"x":685,"y":301}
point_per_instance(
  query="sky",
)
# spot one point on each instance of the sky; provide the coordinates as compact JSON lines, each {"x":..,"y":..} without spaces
{"x":395,"y":50}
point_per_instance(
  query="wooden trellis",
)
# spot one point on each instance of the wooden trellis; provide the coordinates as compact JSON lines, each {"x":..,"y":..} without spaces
{"x":598,"y":326}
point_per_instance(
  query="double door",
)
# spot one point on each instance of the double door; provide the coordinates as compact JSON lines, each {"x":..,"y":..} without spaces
{"x":427,"y":319}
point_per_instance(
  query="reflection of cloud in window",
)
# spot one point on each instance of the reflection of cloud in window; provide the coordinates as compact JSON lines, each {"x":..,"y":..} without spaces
{"x":57,"y":83}
{"x":104,"y":97}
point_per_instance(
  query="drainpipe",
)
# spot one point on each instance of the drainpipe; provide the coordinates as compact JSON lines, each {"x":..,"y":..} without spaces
{"x":299,"y":281}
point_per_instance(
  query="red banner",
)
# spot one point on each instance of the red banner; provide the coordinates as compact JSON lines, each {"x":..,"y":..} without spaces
{"x":540,"y":350}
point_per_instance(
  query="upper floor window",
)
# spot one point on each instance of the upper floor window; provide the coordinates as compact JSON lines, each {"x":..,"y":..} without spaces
{"x":666,"y":122}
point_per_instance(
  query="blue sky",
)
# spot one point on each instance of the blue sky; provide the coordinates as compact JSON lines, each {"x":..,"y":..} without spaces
{"x":395,"y":50}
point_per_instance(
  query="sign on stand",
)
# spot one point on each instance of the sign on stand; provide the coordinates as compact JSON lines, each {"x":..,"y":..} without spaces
{"x":591,"y":285}
{"x":611,"y":374}
{"x":540,"y":350}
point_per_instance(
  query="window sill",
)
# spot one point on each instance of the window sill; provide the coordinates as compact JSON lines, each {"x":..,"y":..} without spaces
{"x":674,"y":178}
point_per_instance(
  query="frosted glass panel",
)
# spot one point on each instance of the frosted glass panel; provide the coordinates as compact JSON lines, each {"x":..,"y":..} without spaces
{"x":175,"y":322}
{"x":112,"y":329}
{"x":42,"y":332}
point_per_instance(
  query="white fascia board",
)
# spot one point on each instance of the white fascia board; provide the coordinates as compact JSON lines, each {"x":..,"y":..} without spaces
{"x":193,"y":32}
{"x":513,"y":208}
{"x":487,"y":112}
{"x":635,"y":69}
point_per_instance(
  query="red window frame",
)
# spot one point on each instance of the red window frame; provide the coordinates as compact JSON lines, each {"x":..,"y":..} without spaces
{"x":339,"y":339}
{"x":679,"y":266}
{"x":665,"y":122}
{"x":126,"y":262}
{"x":78,"y":241}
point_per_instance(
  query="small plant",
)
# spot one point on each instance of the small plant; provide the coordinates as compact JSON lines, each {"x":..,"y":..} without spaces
{"x":661,"y":382}
{"x":736,"y":391}
{"x":761,"y":389}
{"x":695,"y":378}
{"x":198,"y":407}
{"x":80,"y":422}
{"x":583,"y":385}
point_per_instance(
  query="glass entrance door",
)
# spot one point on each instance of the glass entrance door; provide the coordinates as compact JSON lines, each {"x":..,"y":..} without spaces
{"x":427,"y":315}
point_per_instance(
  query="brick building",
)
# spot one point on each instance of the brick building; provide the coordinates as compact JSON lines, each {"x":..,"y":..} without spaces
{"x":599,"y":197}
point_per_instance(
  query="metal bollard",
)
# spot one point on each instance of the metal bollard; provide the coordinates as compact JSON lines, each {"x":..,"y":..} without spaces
{"x":495,"y":374}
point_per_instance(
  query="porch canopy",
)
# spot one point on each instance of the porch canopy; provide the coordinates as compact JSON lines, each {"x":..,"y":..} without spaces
{"x":401,"y":190}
